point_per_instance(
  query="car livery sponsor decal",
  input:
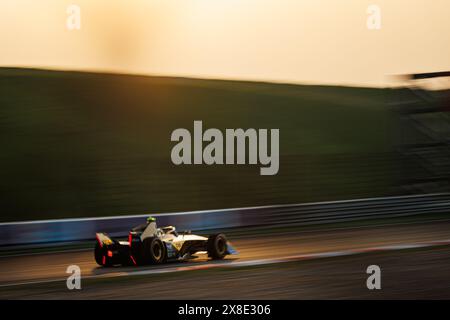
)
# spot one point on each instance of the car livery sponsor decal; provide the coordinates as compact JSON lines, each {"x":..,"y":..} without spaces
{"x":171,"y":251}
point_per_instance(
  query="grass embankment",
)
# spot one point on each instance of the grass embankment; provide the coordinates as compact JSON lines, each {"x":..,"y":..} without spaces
{"x":86,"y":144}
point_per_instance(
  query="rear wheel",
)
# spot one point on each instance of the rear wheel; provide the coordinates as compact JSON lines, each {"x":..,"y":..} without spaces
{"x":217,"y":246}
{"x":154,"y":251}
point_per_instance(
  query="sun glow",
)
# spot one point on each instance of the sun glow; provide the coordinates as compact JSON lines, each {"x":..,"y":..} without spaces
{"x":320,"y":41}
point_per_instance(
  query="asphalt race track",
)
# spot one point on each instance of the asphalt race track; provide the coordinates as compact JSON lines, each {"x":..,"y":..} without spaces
{"x":294,"y":265}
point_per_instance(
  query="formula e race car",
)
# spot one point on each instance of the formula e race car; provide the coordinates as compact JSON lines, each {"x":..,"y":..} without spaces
{"x":148,"y":244}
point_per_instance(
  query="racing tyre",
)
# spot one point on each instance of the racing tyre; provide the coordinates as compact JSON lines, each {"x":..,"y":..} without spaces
{"x":217,"y":246}
{"x":100,"y":256}
{"x":154,"y":251}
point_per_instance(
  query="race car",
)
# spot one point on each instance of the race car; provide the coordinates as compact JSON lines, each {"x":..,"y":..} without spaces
{"x":148,"y":244}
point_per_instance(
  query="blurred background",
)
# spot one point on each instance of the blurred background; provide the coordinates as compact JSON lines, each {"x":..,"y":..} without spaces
{"x":78,"y":144}
{"x":90,"y":92}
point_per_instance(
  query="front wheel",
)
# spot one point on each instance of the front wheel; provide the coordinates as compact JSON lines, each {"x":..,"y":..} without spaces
{"x":217,"y":246}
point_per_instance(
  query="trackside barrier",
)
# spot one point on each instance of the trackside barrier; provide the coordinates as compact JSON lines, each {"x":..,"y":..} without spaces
{"x":67,"y":230}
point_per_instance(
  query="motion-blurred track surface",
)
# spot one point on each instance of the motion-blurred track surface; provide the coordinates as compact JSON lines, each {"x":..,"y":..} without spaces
{"x":38,"y":269}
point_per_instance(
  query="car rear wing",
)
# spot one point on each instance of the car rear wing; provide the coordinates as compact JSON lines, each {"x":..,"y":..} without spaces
{"x":103,"y":239}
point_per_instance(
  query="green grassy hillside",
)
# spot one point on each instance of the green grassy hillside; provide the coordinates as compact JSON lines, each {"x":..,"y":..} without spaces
{"x":86,"y":144}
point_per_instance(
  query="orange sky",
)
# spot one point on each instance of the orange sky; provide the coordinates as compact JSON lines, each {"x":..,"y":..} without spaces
{"x":302,"y":41}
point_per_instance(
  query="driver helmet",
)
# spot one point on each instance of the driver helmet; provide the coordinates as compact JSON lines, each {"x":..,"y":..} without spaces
{"x":151,"y":219}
